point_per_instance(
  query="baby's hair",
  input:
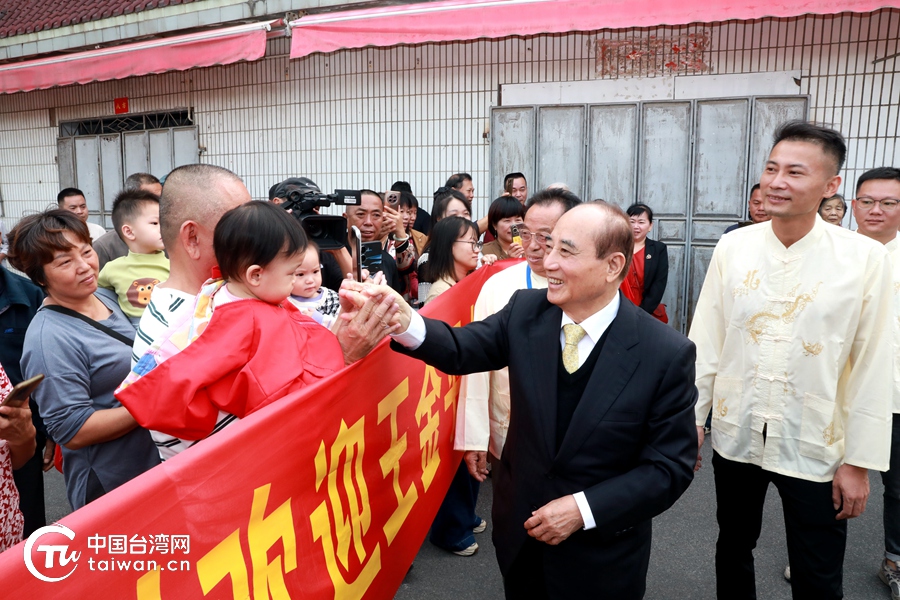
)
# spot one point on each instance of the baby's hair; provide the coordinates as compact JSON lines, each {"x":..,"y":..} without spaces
{"x":255,"y":233}
{"x":311,"y":245}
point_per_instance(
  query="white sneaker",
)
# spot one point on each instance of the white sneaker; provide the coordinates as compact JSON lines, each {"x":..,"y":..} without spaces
{"x":480,"y":527}
{"x":467,"y":551}
{"x":787,"y":572}
{"x":890,"y":575}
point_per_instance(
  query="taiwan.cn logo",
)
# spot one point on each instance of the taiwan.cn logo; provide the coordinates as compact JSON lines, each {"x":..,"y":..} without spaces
{"x":58,"y":562}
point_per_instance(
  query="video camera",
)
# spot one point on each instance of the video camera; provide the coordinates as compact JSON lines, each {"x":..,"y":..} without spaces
{"x":329,"y":232}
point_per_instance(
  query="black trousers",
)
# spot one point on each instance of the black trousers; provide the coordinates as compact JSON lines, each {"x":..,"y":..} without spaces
{"x":29,"y":481}
{"x":610,"y":569}
{"x":815,"y":540}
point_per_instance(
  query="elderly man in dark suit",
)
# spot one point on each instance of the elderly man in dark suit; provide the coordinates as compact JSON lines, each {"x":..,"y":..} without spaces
{"x":601,"y":437}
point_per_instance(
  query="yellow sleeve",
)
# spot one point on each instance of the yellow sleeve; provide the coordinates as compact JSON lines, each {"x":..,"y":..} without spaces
{"x":708,"y":333}
{"x":865,"y":389}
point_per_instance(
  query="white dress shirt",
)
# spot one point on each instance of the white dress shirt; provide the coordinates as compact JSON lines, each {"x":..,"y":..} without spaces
{"x":95,"y":230}
{"x":594,"y":327}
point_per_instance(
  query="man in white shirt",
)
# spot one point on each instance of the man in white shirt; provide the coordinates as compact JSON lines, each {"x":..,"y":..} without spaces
{"x":72,"y":200}
{"x":483,"y":411}
{"x":793,"y":347}
{"x":877,"y":212}
{"x":601,"y":438}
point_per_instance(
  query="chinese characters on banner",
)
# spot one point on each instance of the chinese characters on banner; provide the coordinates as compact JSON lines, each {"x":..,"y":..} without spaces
{"x":327,"y":493}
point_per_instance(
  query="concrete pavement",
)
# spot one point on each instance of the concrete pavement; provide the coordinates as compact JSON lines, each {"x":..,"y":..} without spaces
{"x":681,"y":566}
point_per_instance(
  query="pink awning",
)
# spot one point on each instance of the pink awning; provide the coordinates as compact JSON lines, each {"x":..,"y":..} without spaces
{"x":178,"y":53}
{"x":472,"y":19}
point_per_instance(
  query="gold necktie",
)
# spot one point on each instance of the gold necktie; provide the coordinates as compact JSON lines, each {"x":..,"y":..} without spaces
{"x":573,"y":334}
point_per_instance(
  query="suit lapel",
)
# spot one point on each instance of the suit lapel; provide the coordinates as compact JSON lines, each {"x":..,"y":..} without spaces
{"x":649,"y":263}
{"x":618,"y":360}
{"x":544,"y":371}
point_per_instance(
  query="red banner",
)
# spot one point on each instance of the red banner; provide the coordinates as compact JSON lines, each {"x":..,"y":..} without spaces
{"x":326,"y":493}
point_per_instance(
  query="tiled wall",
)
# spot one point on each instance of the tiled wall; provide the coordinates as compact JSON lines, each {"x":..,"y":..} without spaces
{"x":365,"y":118}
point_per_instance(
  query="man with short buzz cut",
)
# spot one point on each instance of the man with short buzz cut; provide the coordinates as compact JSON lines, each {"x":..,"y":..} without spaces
{"x":194,"y":199}
{"x":516,"y":186}
{"x":110,"y":246}
{"x":483,"y":412}
{"x":793,"y":351}
{"x":600,"y":437}
{"x":877,"y":212}
{"x":72,"y":200}
{"x":368,"y":217}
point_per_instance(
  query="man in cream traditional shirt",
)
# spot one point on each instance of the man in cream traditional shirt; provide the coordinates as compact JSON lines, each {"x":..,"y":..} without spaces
{"x":483,"y":411}
{"x":793,"y":348}
{"x":877,"y":212}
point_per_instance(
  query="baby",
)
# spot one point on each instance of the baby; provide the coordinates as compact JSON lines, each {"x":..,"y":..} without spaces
{"x":313,"y":300}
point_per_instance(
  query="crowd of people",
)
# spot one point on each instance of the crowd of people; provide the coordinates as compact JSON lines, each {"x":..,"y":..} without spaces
{"x":583,"y":406}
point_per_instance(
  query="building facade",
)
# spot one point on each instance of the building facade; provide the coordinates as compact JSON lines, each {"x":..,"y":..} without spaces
{"x":369,"y":117}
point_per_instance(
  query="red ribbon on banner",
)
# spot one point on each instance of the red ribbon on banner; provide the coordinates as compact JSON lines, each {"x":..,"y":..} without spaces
{"x":326,"y":493}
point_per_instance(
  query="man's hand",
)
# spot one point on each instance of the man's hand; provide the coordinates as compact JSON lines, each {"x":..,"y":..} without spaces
{"x":555,"y":521}
{"x":700,"y":436}
{"x":49,"y":454}
{"x":356,"y":293}
{"x":850,"y":491}
{"x":476,"y":462}
{"x":361,"y":330}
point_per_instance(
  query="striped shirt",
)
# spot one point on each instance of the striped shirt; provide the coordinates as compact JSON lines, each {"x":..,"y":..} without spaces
{"x":167,"y":307}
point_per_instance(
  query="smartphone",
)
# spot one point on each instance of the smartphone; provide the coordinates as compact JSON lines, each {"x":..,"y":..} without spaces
{"x":357,"y":246}
{"x":20,"y":393}
{"x":392,"y":199}
{"x":371,"y":256}
{"x":516,"y":237}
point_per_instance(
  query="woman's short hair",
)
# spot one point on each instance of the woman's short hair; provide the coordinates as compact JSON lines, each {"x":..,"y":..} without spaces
{"x":255,"y":233}
{"x":440,"y":254}
{"x":34,"y":241}
{"x":835,"y":197}
{"x":638,"y":209}
{"x":442,"y":199}
{"x":504,"y":207}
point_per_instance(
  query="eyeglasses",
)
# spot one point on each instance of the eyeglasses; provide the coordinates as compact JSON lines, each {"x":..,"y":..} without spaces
{"x":527,"y":235}
{"x":476,"y":246}
{"x":867,"y":203}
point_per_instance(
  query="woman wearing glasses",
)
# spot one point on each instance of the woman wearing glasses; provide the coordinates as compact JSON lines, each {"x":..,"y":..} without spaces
{"x":453,"y":253}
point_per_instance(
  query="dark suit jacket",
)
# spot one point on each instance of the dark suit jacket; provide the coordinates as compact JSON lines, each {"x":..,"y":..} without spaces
{"x":656,"y":274}
{"x":631,"y":445}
